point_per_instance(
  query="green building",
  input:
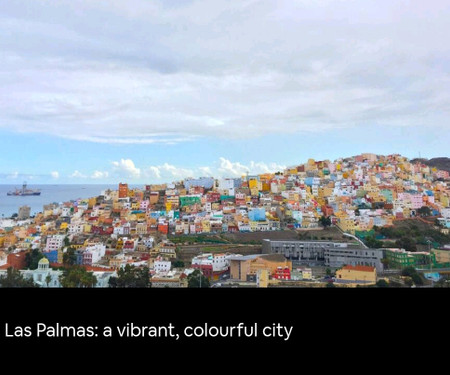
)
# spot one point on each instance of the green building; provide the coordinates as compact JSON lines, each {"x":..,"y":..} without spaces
{"x":400,"y":258}
{"x":189,"y":200}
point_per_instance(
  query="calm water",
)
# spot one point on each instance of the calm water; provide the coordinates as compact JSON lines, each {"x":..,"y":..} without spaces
{"x":49,"y":194}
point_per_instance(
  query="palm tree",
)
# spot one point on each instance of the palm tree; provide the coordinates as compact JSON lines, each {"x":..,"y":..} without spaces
{"x":48,"y":278}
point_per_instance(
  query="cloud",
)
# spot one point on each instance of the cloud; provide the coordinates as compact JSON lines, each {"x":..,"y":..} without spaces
{"x":77,"y":174}
{"x":54,"y":174}
{"x":13,"y":175}
{"x":206,"y":171}
{"x":126,"y":168}
{"x":99,"y":175}
{"x":237,"y":169}
{"x":231,"y":169}
{"x":168,"y":171}
{"x":160,"y":74}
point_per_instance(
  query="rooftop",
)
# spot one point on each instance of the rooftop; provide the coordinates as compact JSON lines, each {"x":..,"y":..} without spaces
{"x":359,"y":268}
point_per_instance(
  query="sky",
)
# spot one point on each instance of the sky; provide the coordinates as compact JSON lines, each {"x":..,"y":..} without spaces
{"x":156,"y":91}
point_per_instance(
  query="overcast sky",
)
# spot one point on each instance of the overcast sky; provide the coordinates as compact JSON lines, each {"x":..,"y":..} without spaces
{"x":147,"y":91}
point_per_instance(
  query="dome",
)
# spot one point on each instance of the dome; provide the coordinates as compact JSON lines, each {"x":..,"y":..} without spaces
{"x":44,"y":260}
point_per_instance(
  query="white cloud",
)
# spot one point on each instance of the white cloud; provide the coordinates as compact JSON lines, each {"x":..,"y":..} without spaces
{"x":228,"y":168}
{"x":54,"y":174}
{"x":168,"y":171}
{"x":13,"y":175}
{"x":126,"y":168}
{"x":77,"y":174}
{"x":236,"y":169}
{"x":206,"y":171}
{"x":256,"y":68}
{"x":99,"y":175}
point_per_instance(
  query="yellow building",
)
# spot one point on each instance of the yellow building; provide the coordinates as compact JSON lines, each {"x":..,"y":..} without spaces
{"x":356,"y":275}
{"x":206,"y":226}
{"x":92,"y":202}
{"x":244,"y":267}
{"x":253,"y":183}
{"x":442,"y":256}
{"x":347,"y":225}
{"x":262,"y":278}
{"x":63,"y":226}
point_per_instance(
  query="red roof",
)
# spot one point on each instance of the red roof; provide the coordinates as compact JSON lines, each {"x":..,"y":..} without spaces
{"x":359,"y":268}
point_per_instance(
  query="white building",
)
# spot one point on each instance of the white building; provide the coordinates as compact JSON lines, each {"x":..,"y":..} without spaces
{"x":54,"y":242}
{"x":161,"y":265}
{"x":75,"y":228}
{"x":95,"y":252}
{"x":44,"y":276}
{"x":219,"y":262}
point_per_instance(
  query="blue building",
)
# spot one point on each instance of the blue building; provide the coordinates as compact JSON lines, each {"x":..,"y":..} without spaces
{"x":52,"y":256}
{"x":257,"y":214}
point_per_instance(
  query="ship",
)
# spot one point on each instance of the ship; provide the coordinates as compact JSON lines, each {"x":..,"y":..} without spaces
{"x":24,"y":191}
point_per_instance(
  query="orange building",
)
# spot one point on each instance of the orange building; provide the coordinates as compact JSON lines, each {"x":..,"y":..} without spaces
{"x":123,"y":190}
{"x":246,"y":267}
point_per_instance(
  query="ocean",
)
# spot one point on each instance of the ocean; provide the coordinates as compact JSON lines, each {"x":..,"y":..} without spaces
{"x":49,"y":194}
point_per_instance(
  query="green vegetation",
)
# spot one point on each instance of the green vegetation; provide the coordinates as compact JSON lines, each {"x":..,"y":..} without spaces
{"x":177,"y":264}
{"x":32,"y":259}
{"x":69,"y":257}
{"x":131,"y":277}
{"x":382,"y":283}
{"x":373,"y":243}
{"x":424,"y":211}
{"x":66,"y":241}
{"x":197,"y":280}
{"x":413,"y":274}
{"x":77,"y":277}
{"x":410,"y":233}
{"x":406,"y":243}
{"x":199,"y":238}
{"x":325,"y":221}
{"x":14,"y":279}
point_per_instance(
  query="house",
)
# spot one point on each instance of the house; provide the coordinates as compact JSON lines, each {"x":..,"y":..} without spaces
{"x":356,"y":275}
{"x":245,"y":268}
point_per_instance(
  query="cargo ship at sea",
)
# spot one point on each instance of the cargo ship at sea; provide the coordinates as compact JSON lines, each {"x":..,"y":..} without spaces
{"x":24,"y":191}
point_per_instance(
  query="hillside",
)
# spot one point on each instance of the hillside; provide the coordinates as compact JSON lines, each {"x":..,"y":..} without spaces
{"x":439,"y":163}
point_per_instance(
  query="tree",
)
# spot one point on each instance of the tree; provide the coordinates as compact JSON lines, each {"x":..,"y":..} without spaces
{"x":14,"y":279}
{"x":48,"y":278}
{"x":69,"y":257}
{"x":382,"y":283}
{"x":373,"y":243}
{"x":330,"y":285}
{"x":412,"y":273}
{"x":325,"y":221}
{"x":178,"y":264}
{"x":131,"y":277}
{"x":424,"y":211}
{"x":406,"y":243}
{"x":32,"y":259}
{"x":66,"y":241}
{"x":77,"y":277}
{"x":197,"y":280}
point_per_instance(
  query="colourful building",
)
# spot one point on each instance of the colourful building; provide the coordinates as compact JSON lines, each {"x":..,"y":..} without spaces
{"x":356,"y":275}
